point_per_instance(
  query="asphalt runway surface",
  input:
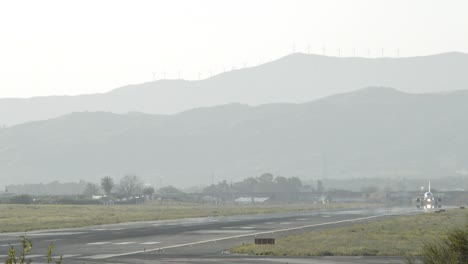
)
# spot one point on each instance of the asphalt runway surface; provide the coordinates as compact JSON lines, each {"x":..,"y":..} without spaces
{"x":194,"y":240}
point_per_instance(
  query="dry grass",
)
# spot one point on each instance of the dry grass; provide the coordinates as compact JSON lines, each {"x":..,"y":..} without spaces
{"x":21,"y":218}
{"x":399,"y":236}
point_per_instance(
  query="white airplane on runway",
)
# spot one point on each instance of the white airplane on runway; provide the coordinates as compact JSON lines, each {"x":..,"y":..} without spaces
{"x":429,"y":202}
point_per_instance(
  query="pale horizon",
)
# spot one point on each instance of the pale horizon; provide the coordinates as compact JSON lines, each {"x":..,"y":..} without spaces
{"x":57,"y":48}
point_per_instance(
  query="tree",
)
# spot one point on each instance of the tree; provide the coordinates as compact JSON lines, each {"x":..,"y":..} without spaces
{"x":22,"y":199}
{"x":281,"y":184}
{"x":266,"y":178}
{"x":294,"y":183}
{"x":170,"y":190}
{"x":148,"y":191}
{"x":91,"y":189}
{"x":107,"y":184}
{"x":217,"y":189}
{"x":320,"y":188}
{"x":369,"y":189}
{"x":130,"y":185}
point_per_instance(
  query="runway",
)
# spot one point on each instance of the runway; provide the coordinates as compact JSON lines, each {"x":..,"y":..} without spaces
{"x":194,"y":240}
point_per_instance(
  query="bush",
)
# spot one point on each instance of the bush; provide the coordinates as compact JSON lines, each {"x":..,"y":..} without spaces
{"x":22,"y":258}
{"x":452,"y":248}
{"x":325,"y":253}
{"x":22,"y":199}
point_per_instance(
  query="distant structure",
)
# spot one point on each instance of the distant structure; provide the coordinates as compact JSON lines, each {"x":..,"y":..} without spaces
{"x":154,"y":76}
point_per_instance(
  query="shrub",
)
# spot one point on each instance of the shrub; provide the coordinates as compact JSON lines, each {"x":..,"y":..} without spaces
{"x":22,"y":199}
{"x":452,"y":248}
{"x":22,"y":258}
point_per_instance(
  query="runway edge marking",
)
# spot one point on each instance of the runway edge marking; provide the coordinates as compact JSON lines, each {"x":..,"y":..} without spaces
{"x":251,"y":234}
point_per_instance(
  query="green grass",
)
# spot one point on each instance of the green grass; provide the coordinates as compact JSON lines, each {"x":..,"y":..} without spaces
{"x":21,"y":218}
{"x":398,"y":236}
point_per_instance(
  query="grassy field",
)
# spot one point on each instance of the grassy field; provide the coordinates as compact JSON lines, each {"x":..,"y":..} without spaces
{"x":399,"y":236}
{"x":21,"y":218}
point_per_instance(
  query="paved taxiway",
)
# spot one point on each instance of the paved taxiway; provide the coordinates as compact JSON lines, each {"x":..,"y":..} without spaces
{"x":195,"y":240}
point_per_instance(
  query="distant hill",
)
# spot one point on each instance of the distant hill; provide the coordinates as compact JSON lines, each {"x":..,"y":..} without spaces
{"x":377,"y":132}
{"x":295,"y":78}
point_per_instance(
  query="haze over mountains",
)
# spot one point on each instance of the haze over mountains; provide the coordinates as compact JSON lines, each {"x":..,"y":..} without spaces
{"x":292,"y":79}
{"x":373,"y":131}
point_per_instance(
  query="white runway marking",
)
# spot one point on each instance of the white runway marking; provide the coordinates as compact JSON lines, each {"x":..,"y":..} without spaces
{"x":7,"y":245}
{"x":150,"y":243}
{"x":55,"y":233}
{"x":285,"y":223}
{"x":52,"y":240}
{"x":98,"y":243}
{"x":163,"y":224}
{"x":67,"y":256}
{"x":101,"y":256}
{"x":241,"y":236}
{"x":247,"y":227}
{"x":302,"y":219}
{"x":269,"y":223}
{"x":124,"y":243}
{"x":207,"y":232}
{"x":35,"y":256}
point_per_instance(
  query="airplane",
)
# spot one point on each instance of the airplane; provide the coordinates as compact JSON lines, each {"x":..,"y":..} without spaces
{"x":429,"y":202}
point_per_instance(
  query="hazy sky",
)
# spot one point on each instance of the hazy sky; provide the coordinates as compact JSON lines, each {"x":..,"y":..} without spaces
{"x":75,"y":47}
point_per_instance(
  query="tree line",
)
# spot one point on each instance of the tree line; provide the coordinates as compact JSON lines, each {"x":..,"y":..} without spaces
{"x":265,"y":183}
{"x":129,"y":186}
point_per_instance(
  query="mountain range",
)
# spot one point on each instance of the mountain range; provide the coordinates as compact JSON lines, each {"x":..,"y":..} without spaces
{"x":370,"y":132}
{"x":296,"y":78}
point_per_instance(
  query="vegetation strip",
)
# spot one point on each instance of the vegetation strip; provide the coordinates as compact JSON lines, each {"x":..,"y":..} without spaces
{"x":22,"y":218}
{"x":398,"y":236}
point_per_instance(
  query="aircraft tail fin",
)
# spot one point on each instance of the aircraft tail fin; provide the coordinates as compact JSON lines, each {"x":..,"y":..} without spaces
{"x":429,"y":186}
